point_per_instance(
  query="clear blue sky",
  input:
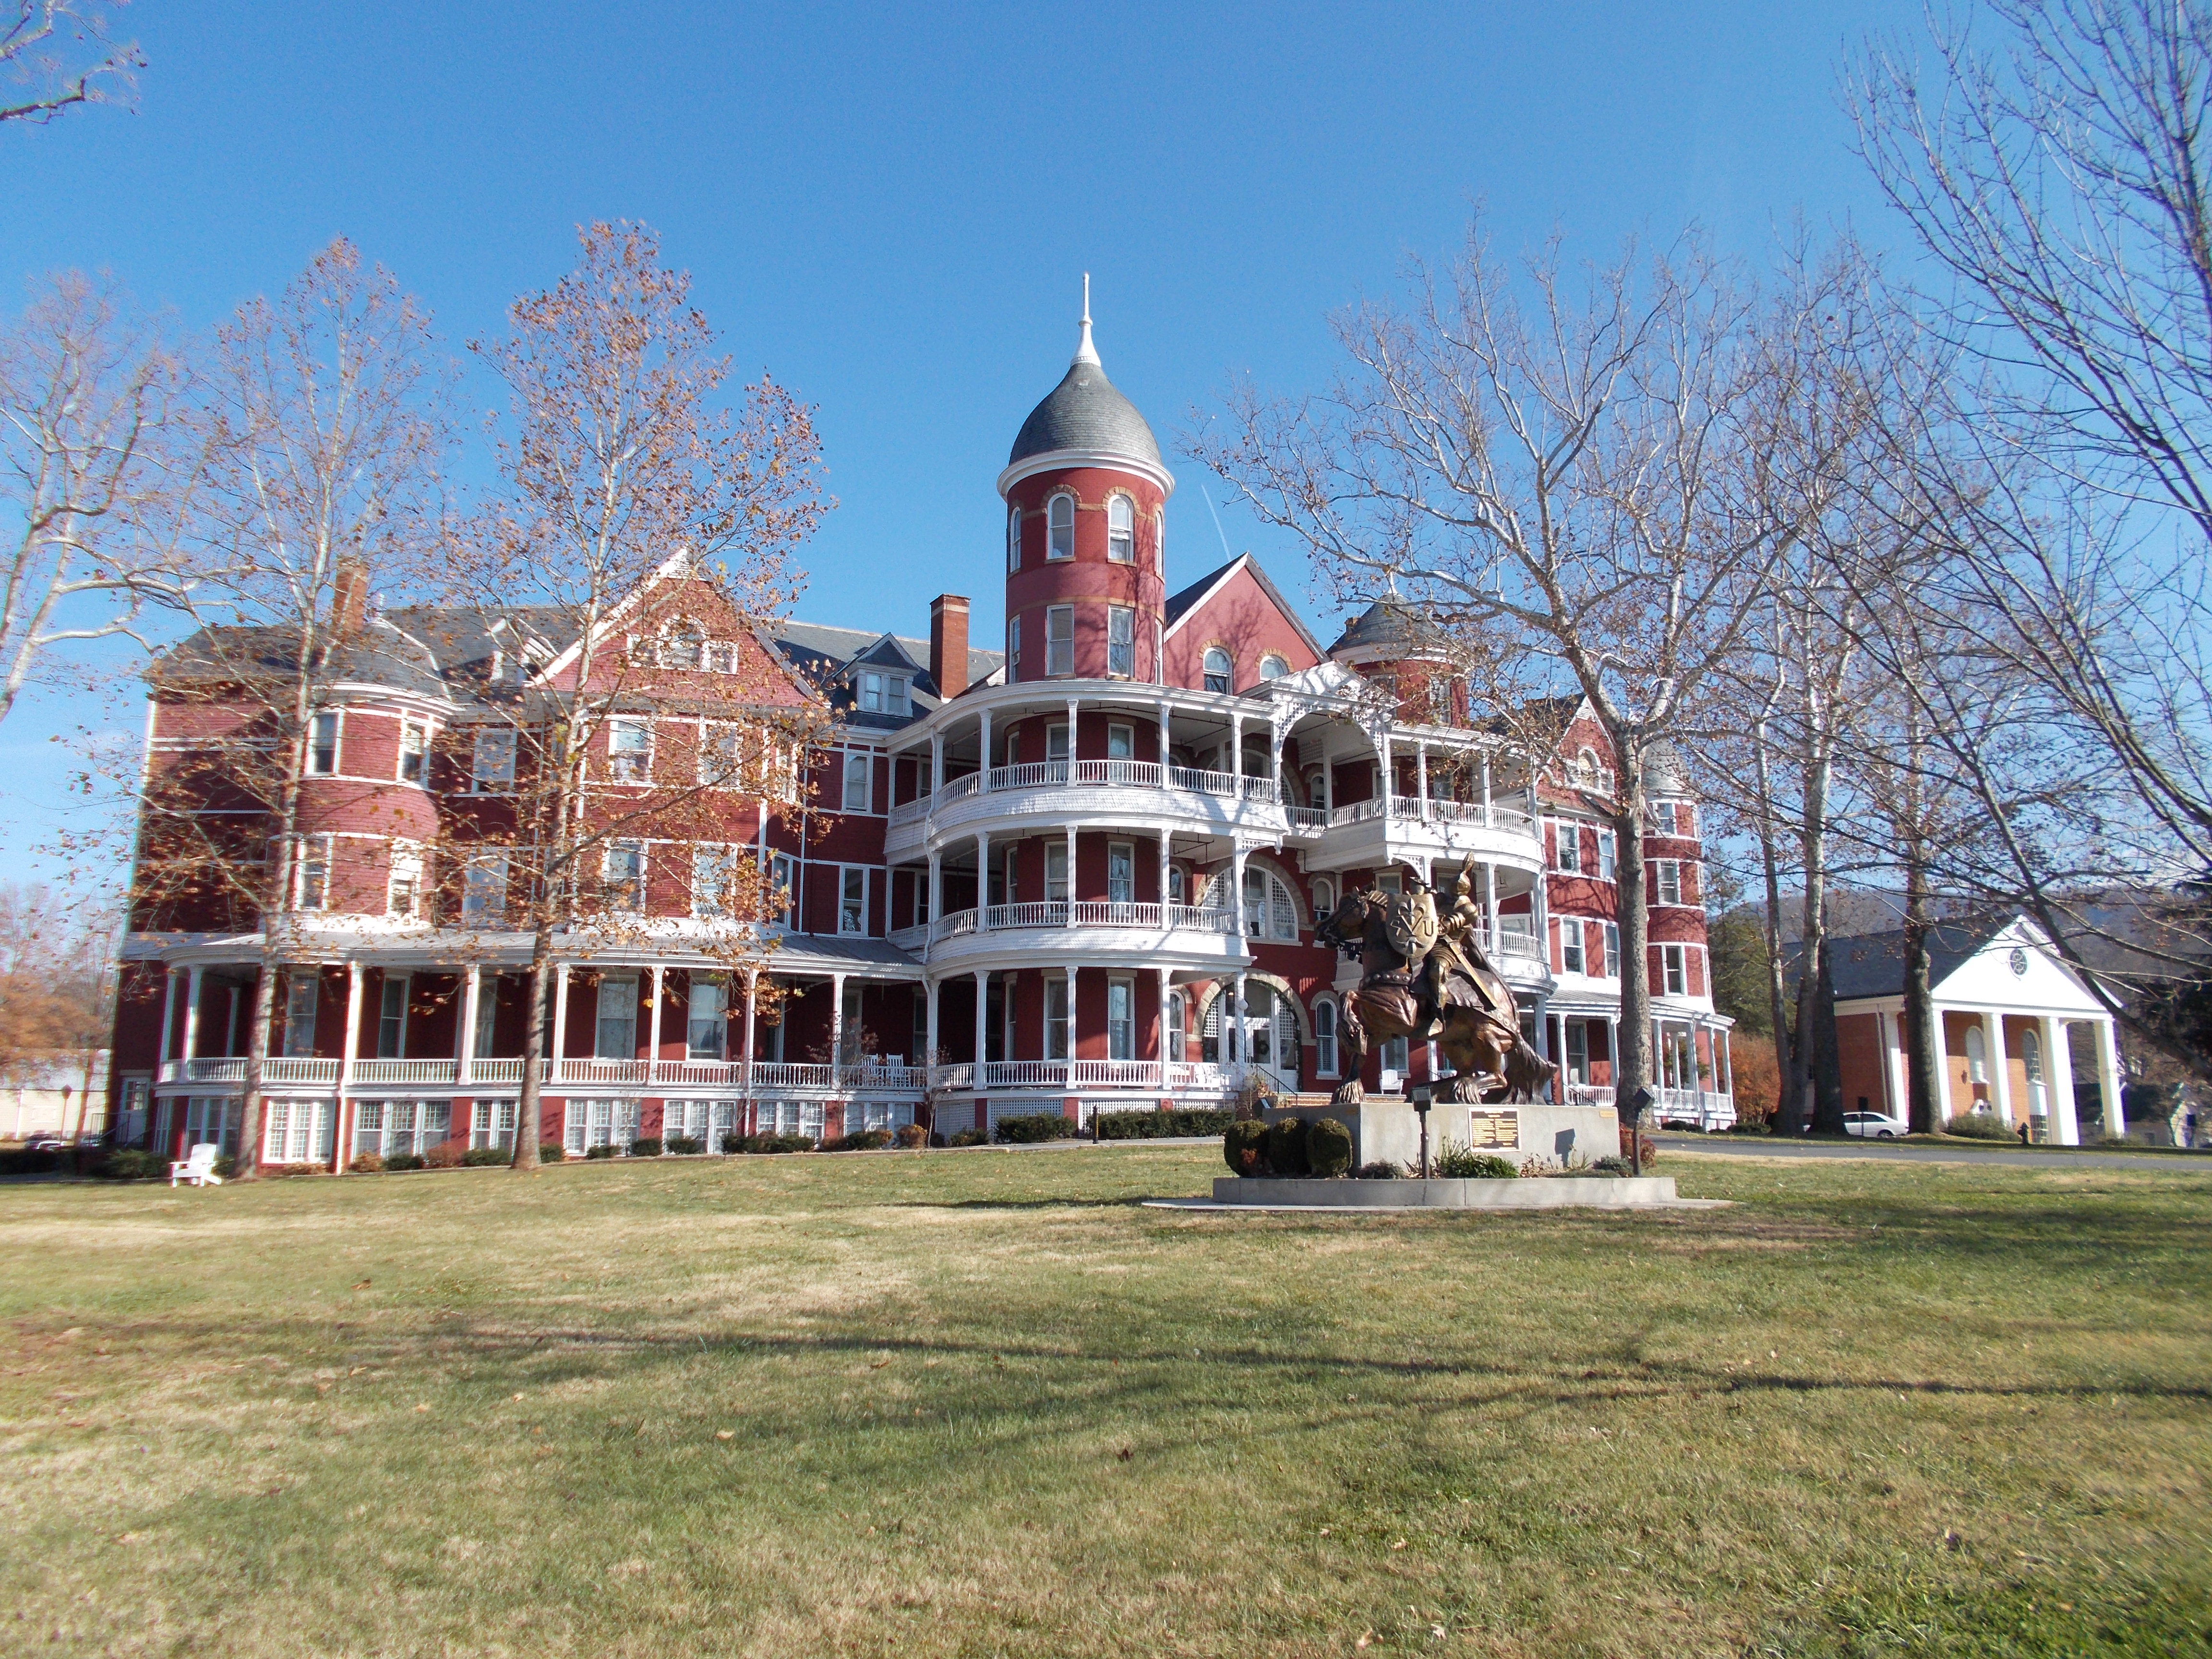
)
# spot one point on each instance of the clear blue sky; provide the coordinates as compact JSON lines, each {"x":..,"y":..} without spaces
{"x":891,"y":209}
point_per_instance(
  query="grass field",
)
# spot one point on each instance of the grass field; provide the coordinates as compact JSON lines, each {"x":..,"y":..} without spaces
{"x":983,"y":1403}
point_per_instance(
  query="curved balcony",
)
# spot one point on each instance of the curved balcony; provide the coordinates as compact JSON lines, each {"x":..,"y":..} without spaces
{"x":1105,"y":793}
{"x":1099,"y":932}
{"x":1368,"y":834}
{"x":1184,"y":1079}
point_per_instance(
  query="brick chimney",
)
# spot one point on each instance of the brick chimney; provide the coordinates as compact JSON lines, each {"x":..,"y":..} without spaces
{"x":349,"y":596}
{"x":948,"y":644}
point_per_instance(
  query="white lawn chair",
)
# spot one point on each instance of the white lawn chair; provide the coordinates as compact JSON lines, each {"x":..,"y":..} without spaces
{"x":198,"y":1168}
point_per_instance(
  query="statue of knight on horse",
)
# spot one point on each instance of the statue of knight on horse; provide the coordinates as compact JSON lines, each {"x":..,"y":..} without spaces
{"x":1429,"y":979}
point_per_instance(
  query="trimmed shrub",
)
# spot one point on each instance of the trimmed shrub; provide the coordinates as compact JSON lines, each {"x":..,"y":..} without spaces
{"x":1328,"y":1147}
{"x":1456,"y":1162}
{"x":444,"y":1155}
{"x":24,"y":1161}
{"x":485,"y":1157}
{"x":865,"y":1141}
{"x":968,"y":1138}
{"x":1159,"y":1126}
{"x":684,"y":1146}
{"x":1286,"y":1147}
{"x":403,"y":1161}
{"x":1030,"y":1128}
{"x":767,"y":1144}
{"x":733,"y":1143}
{"x":552,"y":1151}
{"x":1380,"y":1170}
{"x":911,"y":1136}
{"x":597,"y":1153}
{"x":366,"y":1164}
{"x":132,"y":1164}
{"x":646,"y":1146}
{"x":1977,"y":1126}
{"x":1244,"y":1147}
{"x":1612,"y":1164}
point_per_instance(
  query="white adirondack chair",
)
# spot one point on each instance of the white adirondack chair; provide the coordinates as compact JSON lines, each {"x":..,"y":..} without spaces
{"x":198,"y":1168}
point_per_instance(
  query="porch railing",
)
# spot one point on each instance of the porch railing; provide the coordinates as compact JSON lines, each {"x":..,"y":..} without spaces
{"x":437,"y":1073}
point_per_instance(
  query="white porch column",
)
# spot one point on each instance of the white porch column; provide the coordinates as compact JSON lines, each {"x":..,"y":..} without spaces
{"x":2108,"y":1079}
{"x":1238,"y":1043}
{"x":2058,"y":1083}
{"x":1421,"y":774}
{"x":1236,"y":884}
{"x":982,"y":880}
{"x":2000,"y":1071}
{"x":929,"y":1029}
{"x":1943,"y":1067}
{"x":982,"y":1023}
{"x":192,"y":1011}
{"x":984,"y":732}
{"x":1724,"y":1060}
{"x":936,"y":762}
{"x":1612,"y":1053}
{"x":653,"y":1033}
{"x":471,"y":1001}
{"x":836,"y":1027}
{"x":1893,"y":1079}
{"x":1074,"y":723}
{"x":1163,"y":875}
{"x":1160,"y":981}
{"x":1490,"y":887}
{"x":1237,"y":750}
{"x":560,"y":1016}
{"x":936,"y":897}
{"x":1486,"y":787}
{"x":1389,"y":784}
{"x":752,"y":995}
{"x":169,"y":999}
{"x":1071,"y":1011}
{"x":1071,"y":872}
{"x":1275,"y":750}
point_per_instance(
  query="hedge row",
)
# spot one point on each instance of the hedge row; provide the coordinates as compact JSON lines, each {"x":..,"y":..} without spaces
{"x":1032,"y":1128}
{"x":1288,"y":1148}
{"x":1160,"y":1126}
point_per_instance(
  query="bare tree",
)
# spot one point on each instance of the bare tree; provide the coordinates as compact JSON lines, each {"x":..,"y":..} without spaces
{"x":1593,"y":492}
{"x":629,"y":502}
{"x":322,"y":422}
{"x":94,"y":464}
{"x":58,"y":53}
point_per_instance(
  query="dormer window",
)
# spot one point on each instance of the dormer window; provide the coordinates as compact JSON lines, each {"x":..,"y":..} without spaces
{"x":1060,"y":521}
{"x":683,"y":644}
{"x":1014,"y":539}
{"x":1217,"y":669}
{"x":882,"y":693}
{"x":1121,"y":530}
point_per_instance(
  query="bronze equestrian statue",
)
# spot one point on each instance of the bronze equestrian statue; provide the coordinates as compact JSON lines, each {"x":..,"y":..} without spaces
{"x":1429,"y":979}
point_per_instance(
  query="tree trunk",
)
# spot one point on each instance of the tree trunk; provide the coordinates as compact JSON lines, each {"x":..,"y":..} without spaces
{"x":1777,"y":990}
{"x":530,"y":1109}
{"x":1921,"y":1108}
{"x":1825,"y":1058}
{"x":1632,"y":1065}
{"x":248,"y":1163}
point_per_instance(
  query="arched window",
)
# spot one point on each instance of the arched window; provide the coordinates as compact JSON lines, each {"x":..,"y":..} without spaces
{"x":1273,"y":667}
{"x":1175,"y":884}
{"x":1014,"y":539}
{"x":1217,"y":669}
{"x":1121,"y":530}
{"x":1324,"y":1022}
{"x":1060,"y":520}
{"x":1324,"y":896}
{"x":1977,"y":1055}
{"x":1269,"y":911}
{"x":2030,"y":1059}
{"x":1586,"y":766}
{"x":1178,"y":1030}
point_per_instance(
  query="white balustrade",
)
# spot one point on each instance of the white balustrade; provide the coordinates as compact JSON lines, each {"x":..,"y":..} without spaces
{"x":699,"y":1073}
{"x":1024,"y":1073}
{"x":1089,"y":913}
{"x":443,"y":1072}
{"x":961,"y":1076}
{"x":500,"y":1071}
{"x":603,"y":1073}
{"x":1117,"y":1073}
{"x":299,"y":1069}
{"x":775,"y":1074}
{"x":909,"y":939}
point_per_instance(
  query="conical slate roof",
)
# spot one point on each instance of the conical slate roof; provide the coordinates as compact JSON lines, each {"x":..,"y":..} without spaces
{"x":1084,"y":412}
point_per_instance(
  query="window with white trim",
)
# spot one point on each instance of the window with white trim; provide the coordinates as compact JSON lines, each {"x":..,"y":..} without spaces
{"x":1273,"y":666}
{"x":486,"y":1018}
{"x":1120,"y":530}
{"x":1120,"y":642}
{"x":403,"y":892}
{"x":315,"y":892}
{"x":1060,"y":520}
{"x":1567,"y":848}
{"x":721,"y":755}
{"x":707,"y":1017}
{"x":302,"y":994}
{"x":1218,"y":668}
{"x":1667,"y":878}
{"x":392,"y":1018}
{"x":1120,"y":1018}
{"x":1611,"y":967}
{"x":1057,"y":1035}
{"x":713,"y":869}
{"x":323,"y":744}
{"x":1324,"y":1024}
{"x":483,"y":888}
{"x":296,"y":1131}
{"x":1060,"y":640}
{"x":1056,"y":874}
{"x":614,"y":1031}
{"x":1674,"y":970}
{"x":621,"y":875}
{"x":603,"y":1123}
{"x":852,"y":899}
{"x":1395,"y":1059}
{"x":1056,"y":747}
{"x":492,"y":1124}
{"x":1178,"y":1033}
{"x":1607,"y":855}
{"x":1013,"y":643}
{"x":629,"y":750}
{"x":859,"y":774}
{"x":783,"y":879}
{"x":1120,"y":742}
{"x":414,"y":750}
{"x":1014,"y":538}
{"x":1571,"y":945}
{"x":1120,"y":872}
{"x":491,"y":761}
{"x":1324,"y":897}
{"x":880,"y":693}
{"x":1270,"y":911}
{"x":212,"y":1118}
{"x":1175,"y":888}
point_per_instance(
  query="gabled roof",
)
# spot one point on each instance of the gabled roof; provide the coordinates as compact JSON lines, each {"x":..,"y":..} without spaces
{"x":825,"y":655}
{"x":378,"y":653}
{"x":1184,"y":603}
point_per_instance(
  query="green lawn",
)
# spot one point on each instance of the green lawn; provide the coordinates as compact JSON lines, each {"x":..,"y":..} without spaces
{"x":984,"y":1403}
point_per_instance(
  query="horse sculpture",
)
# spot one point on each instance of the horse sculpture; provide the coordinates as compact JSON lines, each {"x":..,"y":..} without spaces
{"x":1469,"y":1008}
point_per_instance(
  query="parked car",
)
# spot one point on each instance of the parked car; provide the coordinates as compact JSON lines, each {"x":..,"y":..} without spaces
{"x":1875,"y":1126}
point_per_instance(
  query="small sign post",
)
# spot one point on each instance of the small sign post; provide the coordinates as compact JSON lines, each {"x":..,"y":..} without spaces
{"x":1420,"y":1098}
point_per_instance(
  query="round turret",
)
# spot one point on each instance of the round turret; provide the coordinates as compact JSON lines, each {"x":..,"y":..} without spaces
{"x":1086,"y":497}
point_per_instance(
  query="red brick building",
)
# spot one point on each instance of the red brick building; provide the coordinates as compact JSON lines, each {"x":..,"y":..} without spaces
{"x":1080,"y":871}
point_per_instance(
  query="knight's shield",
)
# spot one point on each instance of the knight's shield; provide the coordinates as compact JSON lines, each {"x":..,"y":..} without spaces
{"x":1409,"y":925}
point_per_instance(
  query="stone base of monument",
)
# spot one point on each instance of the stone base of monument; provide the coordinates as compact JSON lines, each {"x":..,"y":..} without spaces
{"x":1548,"y":1192}
{"x":1385,"y":1130}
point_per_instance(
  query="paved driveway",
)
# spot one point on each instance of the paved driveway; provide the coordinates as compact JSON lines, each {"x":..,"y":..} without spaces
{"x":1768,"y":1147}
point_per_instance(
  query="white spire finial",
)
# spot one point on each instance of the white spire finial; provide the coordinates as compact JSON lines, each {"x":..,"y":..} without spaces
{"x":1085,"y":351}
